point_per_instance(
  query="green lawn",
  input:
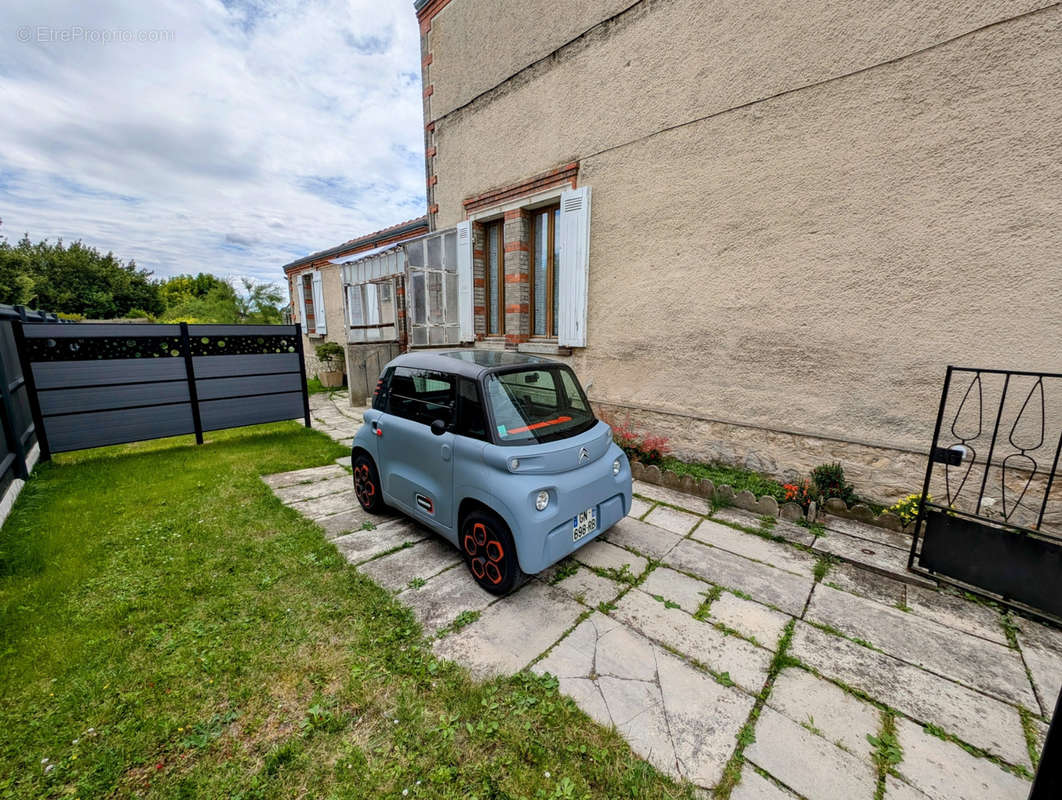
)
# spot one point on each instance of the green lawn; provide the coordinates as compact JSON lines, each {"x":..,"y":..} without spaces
{"x":169,"y":629}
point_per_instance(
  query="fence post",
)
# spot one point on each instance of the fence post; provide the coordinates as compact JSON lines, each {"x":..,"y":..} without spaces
{"x":31,"y":388}
{"x":13,"y":437}
{"x":193,"y":394}
{"x":302,"y":371}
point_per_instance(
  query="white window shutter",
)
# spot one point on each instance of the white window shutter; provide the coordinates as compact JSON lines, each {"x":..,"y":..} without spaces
{"x":464,"y":282}
{"x":573,"y":271}
{"x":320,"y":326}
{"x":301,"y":315}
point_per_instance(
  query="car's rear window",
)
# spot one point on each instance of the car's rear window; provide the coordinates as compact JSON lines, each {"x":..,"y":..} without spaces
{"x":537,"y":405}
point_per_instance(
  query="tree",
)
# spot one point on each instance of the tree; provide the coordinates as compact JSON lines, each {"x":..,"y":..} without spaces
{"x":74,"y":279}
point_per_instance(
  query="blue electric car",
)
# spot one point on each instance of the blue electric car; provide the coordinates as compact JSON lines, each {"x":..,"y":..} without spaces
{"x":498,"y":452}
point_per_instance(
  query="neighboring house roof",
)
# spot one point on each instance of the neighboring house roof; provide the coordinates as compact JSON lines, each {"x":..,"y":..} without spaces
{"x":370,"y":241}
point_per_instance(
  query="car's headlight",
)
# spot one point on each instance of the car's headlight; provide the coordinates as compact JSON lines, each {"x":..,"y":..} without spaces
{"x":542,"y":500}
{"x":616,"y":467}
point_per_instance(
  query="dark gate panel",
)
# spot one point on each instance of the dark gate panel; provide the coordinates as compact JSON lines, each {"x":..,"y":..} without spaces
{"x":991,"y":512}
{"x":101,"y":384}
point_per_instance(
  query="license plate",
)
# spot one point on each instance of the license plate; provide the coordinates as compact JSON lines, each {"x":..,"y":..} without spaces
{"x":583,"y":524}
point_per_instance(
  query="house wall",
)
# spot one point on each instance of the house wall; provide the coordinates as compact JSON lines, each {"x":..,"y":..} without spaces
{"x":801,"y":214}
{"x":335,"y":314}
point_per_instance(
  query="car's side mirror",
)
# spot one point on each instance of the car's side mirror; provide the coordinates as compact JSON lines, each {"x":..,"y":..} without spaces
{"x":438,"y":427}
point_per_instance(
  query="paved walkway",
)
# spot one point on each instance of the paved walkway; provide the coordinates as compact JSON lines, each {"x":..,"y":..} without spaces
{"x":717,"y":644}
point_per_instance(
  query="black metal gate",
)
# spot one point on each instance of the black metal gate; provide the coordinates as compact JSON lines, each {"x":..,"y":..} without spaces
{"x":990,"y":519}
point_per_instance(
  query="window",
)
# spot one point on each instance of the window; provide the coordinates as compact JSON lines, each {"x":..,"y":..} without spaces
{"x":420,"y":395}
{"x":494,"y":275}
{"x":537,"y":405}
{"x":309,"y":317}
{"x":544,"y":259}
{"x":470,"y":419}
{"x":433,"y":301}
{"x":372,"y":311}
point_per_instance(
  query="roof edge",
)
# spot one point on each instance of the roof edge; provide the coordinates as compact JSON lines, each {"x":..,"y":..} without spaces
{"x":368,"y":241}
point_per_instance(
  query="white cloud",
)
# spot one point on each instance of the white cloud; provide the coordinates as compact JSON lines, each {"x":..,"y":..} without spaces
{"x":250,"y":134}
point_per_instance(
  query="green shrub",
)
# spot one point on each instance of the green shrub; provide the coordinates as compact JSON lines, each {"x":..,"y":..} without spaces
{"x":828,"y":480}
{"x":329,"y":354}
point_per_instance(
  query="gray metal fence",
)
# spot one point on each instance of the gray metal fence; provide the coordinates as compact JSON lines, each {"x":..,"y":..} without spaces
{"x":92,"y":385}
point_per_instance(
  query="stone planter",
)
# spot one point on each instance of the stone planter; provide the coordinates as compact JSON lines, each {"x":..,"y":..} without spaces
{"x":331,"y":380}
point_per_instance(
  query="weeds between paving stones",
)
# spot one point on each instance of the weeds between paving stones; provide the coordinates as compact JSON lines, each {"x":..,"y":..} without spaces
{"x":887,"y":752}
{"x":1031,"y":739}
{"x":747,"y":735}
{"x":565,"y":569}
{"x":239,"y":666}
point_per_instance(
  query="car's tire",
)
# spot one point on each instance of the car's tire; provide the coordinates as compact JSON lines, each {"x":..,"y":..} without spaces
{"x":489,"y":550}
{"x":367,"y":484}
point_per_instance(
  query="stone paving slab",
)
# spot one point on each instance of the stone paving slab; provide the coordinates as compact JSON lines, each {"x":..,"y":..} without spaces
{"x":957,"y":612}
{"x":603,"y":555}
{"x":987,"y":666}
{"x":756,"y":547}
{"x":590,"y":588}
{"x":746,"y":664}
{"x":347,"y":521}
{"x":833,"y":713}
{"x":344,"y":461}
{"x":509,"y":635}
{"x":318,"y":507}
{"x":762,"y":582}
{"x":309,"y":490}
{"x":680,"y":522}
{"x":787,"y":530}
{"x":753,"y":620}
{"x":807,"y":763}
{"x":639,"y":507}
{"x":1042,"y":647}
{"x":871,"y":555}
{"x":944,"y":771}
{"x":754,"y":786}
{"x":646,"y":539}
{"x":872,"y":533}
{"x":673,"y":715}
{"x":974,"y":717}
{"x":362,"y":545}
{"x":280,"y":479}
{"x":661,"y":494}
{"x":896,"y":789}
{"x":438,"y":602}
{"x":426,"y":558}
{"x":850,"y":578}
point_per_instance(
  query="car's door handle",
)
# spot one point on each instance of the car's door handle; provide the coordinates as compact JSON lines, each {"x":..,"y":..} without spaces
{"x":446,"y":452}
{"x":377,"y":429}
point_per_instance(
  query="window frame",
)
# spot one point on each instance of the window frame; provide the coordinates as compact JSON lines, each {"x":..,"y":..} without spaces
{"x":308,"y":299}
{"x":550,"y":213}
{"x":449,"y":418}
{"x":494,"y":276}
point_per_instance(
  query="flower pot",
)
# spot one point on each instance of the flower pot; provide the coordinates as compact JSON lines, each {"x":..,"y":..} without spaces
{"x":331,"y":380}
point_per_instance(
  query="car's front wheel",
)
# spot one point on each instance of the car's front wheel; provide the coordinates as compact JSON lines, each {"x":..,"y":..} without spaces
{"x":490,"y":553}
{"x":367,"y":484}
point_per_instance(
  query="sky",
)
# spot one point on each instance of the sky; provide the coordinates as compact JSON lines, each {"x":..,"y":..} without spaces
{"x":223,"y":136}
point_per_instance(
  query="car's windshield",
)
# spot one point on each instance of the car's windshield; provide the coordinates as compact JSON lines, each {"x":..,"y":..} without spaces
{"x":537,"y":405}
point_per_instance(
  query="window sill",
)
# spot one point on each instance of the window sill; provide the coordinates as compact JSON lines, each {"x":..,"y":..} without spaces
{"x":543,"y":348}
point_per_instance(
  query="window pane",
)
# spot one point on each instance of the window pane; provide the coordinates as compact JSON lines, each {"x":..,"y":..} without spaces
{"x":541,"y":256}
{"x":493,"y":289}
{"x":420,"y":335}
{"x":420,"y":395}
{"x":451,"y":298}
{"x":357,"y":317}
{"x":417,"y":298}
{"x":415,"y":254}
{"x":372,"y":307}
{"x":434,"y":252}
{"x":387,"y":304}
{"x":470,"y":419}
{"x":435,"y":298}
{"x":528,"y":407}
{"x":436,"y":335}
{"x":450,"y":251}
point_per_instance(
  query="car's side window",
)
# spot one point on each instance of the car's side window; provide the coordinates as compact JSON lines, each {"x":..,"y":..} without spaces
{"x":379,"y":396}
{"x":421,"y":395}
{"x":470,"y":419}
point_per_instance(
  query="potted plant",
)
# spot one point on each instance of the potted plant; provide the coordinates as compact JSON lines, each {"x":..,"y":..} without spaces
{"x":330,"y":355}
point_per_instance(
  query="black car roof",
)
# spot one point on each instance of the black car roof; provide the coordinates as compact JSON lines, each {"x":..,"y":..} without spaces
{"x":470,"y":363}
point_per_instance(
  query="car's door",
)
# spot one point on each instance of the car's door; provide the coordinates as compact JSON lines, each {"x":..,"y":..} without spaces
{"x":416,"y":465}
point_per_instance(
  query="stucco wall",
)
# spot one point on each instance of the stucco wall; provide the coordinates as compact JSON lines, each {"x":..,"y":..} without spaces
{"x":335,"y":320}
{"x":804,"y":266}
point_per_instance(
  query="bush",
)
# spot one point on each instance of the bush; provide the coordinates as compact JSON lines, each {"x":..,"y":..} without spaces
{"x":800,"y":493}
{"x":329,"y":354}
{"x":638,"y":446}
{"x":907,"y":509}
{"x":828,"y":481}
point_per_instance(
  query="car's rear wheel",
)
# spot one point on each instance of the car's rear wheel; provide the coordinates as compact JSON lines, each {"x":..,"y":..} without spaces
{"x":367,"y":484}
{"x":490,"y":552}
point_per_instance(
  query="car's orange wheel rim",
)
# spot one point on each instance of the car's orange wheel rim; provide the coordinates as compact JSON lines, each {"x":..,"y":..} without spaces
{"x":364,"y":487}
{"x":485,"y":553}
